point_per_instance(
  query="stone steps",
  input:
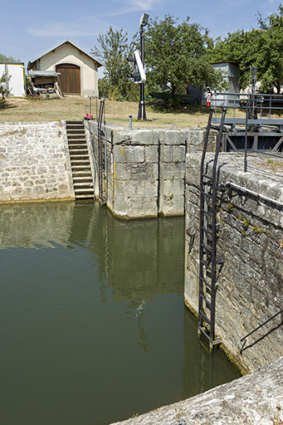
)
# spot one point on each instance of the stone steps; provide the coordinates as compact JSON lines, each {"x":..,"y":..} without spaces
{"x":80,"y":162}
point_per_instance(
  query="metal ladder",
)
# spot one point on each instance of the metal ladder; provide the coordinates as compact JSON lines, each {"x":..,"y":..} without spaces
{"x":208,"y":261}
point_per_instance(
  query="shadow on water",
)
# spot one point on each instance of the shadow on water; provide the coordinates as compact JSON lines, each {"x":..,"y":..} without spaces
{"x":93,"y":327}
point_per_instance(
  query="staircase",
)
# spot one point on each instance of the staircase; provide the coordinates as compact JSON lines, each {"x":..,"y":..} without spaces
{"x":208,"y":261}
{"x":80,"y":163}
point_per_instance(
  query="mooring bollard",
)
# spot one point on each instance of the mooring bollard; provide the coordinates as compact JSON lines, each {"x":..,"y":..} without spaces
{"x":130,"y":122}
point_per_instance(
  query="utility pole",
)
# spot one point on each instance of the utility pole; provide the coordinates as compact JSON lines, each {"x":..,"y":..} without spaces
{"x":143,"y":22}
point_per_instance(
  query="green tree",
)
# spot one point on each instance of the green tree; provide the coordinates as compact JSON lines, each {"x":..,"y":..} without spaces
{"x":4,"y":79}
{"x":261,"y":47}
{"x":270,"y":61}
{"x":176,"y":56}
{"x":4,"y":58}
{"x":113,"y":52}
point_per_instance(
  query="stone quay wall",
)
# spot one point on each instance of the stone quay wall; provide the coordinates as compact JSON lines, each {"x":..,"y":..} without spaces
{"x":250,"y":241}
{"x":34,"y":162}
{"x":252,"y":399}
{"x":145,"y":169}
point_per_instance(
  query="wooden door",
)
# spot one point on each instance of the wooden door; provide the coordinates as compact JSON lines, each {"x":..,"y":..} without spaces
{"x":70,"y":78}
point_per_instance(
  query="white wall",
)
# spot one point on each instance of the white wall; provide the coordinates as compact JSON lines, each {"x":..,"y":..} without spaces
{"x":17,"y":81}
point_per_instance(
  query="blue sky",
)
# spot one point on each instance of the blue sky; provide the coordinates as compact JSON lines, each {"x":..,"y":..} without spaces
{"x":30,"y":28}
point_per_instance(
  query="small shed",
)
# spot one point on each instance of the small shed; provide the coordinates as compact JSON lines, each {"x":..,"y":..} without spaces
{"x":16,"y":84}
{"x":231,"y":74}
{"x":78,"y":70}
{"x":44,"y":82}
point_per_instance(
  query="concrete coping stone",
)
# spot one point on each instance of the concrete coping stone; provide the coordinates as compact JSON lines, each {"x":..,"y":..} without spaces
{"x":263,"y":177}
{"x":151,"y":136}
{"x":252,"y":399}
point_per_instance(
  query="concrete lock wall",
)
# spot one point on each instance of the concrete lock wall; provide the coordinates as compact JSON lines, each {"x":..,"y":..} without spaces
{"x":33,"y":162}
{"x":250,"y":241}
{"x":145,"y":168}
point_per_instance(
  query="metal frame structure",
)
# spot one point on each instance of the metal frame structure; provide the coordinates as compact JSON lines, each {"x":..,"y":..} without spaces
{"x":260,"y":130}
{"x":254,"y":125}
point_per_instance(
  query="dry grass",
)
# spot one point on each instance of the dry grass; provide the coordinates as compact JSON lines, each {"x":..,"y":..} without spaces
{"x":73,"y":108}
{"x":273,"y":165}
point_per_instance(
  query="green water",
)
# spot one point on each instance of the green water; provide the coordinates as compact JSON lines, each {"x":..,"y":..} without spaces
{"x":93,"y":327}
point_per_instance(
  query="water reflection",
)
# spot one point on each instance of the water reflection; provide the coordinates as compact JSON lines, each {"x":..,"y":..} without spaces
{"x":35,"y":225}
{"x":92,"y":321}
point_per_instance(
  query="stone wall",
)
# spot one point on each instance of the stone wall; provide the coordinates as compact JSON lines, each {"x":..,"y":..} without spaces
{"x":252,"y":399}
{"x":250,"y":240}
{"x":33,"y":162}
{"x":146,"y":168}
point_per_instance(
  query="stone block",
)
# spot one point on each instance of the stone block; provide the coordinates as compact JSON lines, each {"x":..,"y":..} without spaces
{"x":173,"y":137}
{"x":28,"y":183}
{"x":173,"y":187}
{"x":144,"y":172}
{"x":122,"y":171}
{"x":151,"y":154}
{"x":150,"y":190}
{"x":38,"y":190}
{"x":172,"y":171}
{"x":179,"y":154}
{"x":129,"y":154}
{"x":166,"y":153}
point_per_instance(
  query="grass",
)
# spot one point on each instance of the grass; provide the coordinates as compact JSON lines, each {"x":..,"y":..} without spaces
{"x":73,"y":108}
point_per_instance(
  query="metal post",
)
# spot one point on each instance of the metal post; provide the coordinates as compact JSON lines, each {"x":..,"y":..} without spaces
{"x":130,"y":122}
{"x":246,"y":136}
{"x":142,"y":113}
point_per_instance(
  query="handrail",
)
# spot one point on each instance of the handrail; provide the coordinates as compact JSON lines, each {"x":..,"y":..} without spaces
{"x":258,"y":195}
{"x":260,"y":326}
{"x":262,"y":102}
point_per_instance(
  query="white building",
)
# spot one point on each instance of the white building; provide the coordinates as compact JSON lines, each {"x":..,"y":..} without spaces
{"x":78,"y":70}
{"x":16,"y":84}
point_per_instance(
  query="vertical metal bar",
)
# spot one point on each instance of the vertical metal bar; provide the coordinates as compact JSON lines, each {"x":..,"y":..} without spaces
{"x":100,"y":148}
{"x":105,"y":153}
{"x":246,"y":137}
{"x":213,"y":254}
{"x":201,"y":232}
{"x":141,"y":112}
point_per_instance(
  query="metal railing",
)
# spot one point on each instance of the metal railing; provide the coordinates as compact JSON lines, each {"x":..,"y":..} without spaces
{"x":261,"y":109}
{"x":244,"y":340}
{"x":251,"y":112}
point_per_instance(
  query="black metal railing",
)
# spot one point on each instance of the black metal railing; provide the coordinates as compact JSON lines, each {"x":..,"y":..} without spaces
{"x":263,"y":109}
{"x":244,"y":339}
